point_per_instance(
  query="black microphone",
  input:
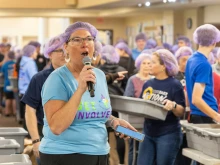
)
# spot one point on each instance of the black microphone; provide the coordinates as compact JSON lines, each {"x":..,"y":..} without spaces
{"x":91,"y":88}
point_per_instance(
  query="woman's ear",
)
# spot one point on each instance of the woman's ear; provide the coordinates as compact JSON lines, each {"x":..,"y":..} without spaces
{"x":65,"y":48}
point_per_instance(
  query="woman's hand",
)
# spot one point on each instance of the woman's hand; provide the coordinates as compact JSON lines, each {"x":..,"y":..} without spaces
{"x":168,"y":105}
{"x":87,"y":74}
{"x":125,"y":124}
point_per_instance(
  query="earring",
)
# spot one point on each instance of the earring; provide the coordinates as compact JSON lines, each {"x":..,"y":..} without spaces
{"x":67,"y":58}
{"x":94,"y":56}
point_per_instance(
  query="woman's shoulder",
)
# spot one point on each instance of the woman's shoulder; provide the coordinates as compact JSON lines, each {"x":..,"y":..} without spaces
{"x":99,"y":72}
{"x":175,"y":82}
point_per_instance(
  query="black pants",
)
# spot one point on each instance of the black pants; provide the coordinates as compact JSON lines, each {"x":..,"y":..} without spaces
{"x":196,"y":119}
{"x":73,"y":159}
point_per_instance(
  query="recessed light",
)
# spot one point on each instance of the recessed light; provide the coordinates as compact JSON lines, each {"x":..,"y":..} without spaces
{"x":147,"y":4}
{"x":139,"y":5}
{"x":164,"y":1}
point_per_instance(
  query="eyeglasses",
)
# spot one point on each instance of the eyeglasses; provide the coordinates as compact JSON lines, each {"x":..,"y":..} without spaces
{"x":79,"y":41}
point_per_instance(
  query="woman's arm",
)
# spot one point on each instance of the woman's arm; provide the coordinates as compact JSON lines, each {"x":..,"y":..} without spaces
{"x":60,"y":114}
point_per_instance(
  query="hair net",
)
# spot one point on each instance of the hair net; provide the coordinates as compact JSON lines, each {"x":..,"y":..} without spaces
{"x":141,"y":58}
{"x":11,"y":55}
{"x":28,"y":50}
{"x":98,"y":48}
{"x":123,"y":46}
{"x":141,"y":36}
{"x":151,"y":43}
{"x":110,"y":55}
{"x":174,"y":49}
{"x":121,"y":40}
{"x":34,"y":43}
{"x":206,"y":35}
{"x":183,"y":51}
{"x":147,"y":51}
{"x":80,"y":25}
{"x":167,"y":46}
{"x":185,"y":39}
{"x":169,"y":61}
{"x":53,"y":44}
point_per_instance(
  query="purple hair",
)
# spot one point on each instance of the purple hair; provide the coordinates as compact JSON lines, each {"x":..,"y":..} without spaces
{"x":53,"y":44}
{"x":183,"y":51}
{"x":98,"y":48}
{"x":28,"y":50}
{"x":141,"y":36}
{"x":185,"y":39}
{"x":141,"y":58}
{"x":110,"y":55}
{"x":80,"y":25}
{"x":151,"y":43}
{"x":123,"y":46}
{"x":206,"y":35}
{"x":34,"y":43}
{"x":169,"y":61}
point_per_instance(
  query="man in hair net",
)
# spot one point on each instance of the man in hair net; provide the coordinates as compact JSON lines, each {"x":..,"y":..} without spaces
{"x":183,"y":41}
{"x":199,"y":77}
{"x":140,"y":40}
{"x":34,"y":110}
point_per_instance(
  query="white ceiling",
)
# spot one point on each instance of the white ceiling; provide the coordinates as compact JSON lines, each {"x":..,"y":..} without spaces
{"x":156,"y":4}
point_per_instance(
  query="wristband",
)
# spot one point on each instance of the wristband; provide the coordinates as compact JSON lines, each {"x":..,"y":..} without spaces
{"x":35,"y":141}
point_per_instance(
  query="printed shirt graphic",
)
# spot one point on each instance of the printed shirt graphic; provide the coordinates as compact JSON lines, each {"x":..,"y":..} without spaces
{"x":157,"y":91}
{"x":87,"y":134}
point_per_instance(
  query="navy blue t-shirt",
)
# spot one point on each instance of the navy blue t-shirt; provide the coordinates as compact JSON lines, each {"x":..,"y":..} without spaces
{"x":157,"y":91}
{"x":32,"y":96}
{"x":199,"y":70}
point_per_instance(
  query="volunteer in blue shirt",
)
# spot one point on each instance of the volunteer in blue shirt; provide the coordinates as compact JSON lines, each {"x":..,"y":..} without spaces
{"x":27,"y":69}
{"x":162,"y":138}
{"x":199,"y":79}
{"x":32,"y":98}
{"x":7,"y":70}
{"x":75,"y":123}
{"x":141,"y":40}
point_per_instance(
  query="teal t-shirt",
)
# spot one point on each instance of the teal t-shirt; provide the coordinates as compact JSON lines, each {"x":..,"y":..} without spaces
{"x":87,"y":134}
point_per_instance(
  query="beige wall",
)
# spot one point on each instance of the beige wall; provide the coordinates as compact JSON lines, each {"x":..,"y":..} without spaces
{"x":211,"y":14}
{"x":116,"y":24}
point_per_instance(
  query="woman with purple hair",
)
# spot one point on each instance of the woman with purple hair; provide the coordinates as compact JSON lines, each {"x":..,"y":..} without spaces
{"x":111,"y":58}
{"x":182,"y":55}
{"x":126,"y":61}
{"x":75,"y":119}
{"x":162,"y":138}
{"x":133,"y":89}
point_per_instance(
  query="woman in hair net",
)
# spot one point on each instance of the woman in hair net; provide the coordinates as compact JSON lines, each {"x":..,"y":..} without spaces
{"x":75,"y":123}
{"x":199,"y":77}
{"x":162,"y":138}
{"x":140,"y":40}
{"x":182,"y":55}
{"x":126,"y":61}
{"x":133,"y":89}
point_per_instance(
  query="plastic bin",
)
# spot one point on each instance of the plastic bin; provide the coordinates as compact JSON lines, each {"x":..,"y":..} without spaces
{"x":17,"y":159}
{"x":138,"y":107}
{"x":204,"y":137}
{"x":9,"y":146}
{"x":136,"y":121}
{"x":14,"y":133}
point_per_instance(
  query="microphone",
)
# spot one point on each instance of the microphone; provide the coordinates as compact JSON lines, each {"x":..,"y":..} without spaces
{"x":87,"y":61}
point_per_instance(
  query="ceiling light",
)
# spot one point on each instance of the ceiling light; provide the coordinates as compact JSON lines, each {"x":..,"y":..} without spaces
{"x":164,"y":1}
{"x":147,"y":4}
{"x":139,"y":5}
{"x":171,"y":0}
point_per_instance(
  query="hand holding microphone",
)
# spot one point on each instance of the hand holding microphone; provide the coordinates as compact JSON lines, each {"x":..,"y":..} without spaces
{"x":87,"y":77}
